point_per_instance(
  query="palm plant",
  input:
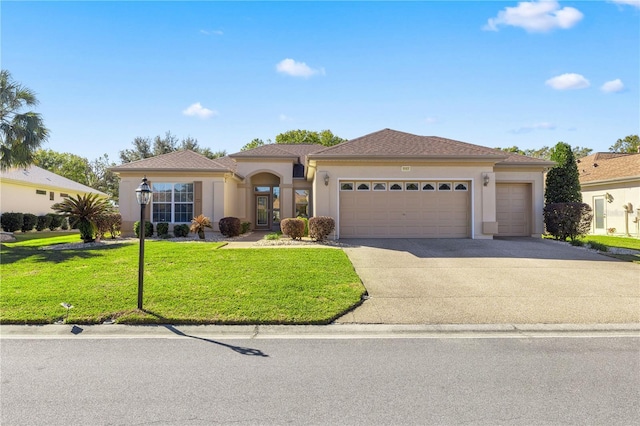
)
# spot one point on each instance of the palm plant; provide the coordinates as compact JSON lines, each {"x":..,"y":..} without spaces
{"x":199,"y":223}
{"x":83,"y":212}
{"x":21,"y":133}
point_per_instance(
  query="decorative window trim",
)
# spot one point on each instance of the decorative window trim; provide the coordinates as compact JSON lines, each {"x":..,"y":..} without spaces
{"x":432,"y":184}
{"x":346,"y":186}
{"x":411,"y":186}
{"x":379,"y":186}
{"x":398,"y":186}
{"x":363,"y":186}
{"x":460,"y":186}
{"x":444,"y":186}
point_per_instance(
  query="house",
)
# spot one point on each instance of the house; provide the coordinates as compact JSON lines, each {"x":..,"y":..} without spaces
{"x":610,"y":184}
{"x":34,"y":190}
{"x":384,"y":184}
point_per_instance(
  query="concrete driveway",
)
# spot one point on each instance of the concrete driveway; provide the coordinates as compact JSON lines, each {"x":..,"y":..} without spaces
{"x":501,"y":281}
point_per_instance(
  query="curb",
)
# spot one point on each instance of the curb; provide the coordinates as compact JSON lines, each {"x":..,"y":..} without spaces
{"x":332,"y":331}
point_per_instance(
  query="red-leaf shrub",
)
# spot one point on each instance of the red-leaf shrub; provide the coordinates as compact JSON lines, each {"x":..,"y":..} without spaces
{"x":294,"y":228}
{"x":567,"y":220}
{"x":230,"y":226}
{"x":320,"y":227}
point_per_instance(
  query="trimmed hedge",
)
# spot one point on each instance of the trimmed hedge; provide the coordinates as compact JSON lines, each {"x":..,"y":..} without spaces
{"x":56,"y":221}
{"x":43,"y":222}
{"x":148,"y":229}
{"x":111,"y":222}
{"x":181,"y":230}
{"x":11,"y":222}
{"x":294,"y":228}
{"x":29,"y":222}
{"x":306,"y":225}
{"x":230,"y":226}
{"x":320,"y":227}
{"x":162,"y":228}
{"x":245,"y":227}
{"x":567,"y":220}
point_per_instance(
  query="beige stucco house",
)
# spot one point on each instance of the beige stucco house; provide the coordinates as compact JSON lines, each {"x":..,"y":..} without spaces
{"x":610,"y":184}
{"x":34,"y":190}
{"x":384,"y":184}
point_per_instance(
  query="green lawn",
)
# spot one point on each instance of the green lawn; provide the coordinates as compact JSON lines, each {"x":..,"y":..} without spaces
{"x":184,"y":283}
{"x":619,"y":242}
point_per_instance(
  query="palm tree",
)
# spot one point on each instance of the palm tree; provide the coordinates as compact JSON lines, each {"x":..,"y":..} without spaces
{"x":83,"y":212}
{"x":21,"y":133}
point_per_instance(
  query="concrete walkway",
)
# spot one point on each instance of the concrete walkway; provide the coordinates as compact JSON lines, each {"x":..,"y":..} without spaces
{"x":508,"y":281}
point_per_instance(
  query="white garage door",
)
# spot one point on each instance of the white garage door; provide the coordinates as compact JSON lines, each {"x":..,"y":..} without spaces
{"x":401,"y":209}
{"x":513,"y":209}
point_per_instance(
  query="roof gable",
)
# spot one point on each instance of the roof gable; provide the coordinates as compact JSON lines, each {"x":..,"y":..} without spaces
{"x":35,"y":175}
{"x":297,"y":152}
{"x":176,"y":160}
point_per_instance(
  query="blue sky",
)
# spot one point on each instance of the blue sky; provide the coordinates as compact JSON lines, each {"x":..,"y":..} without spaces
{"x":496,"y":74}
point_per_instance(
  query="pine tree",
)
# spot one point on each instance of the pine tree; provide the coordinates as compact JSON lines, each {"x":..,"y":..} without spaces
{"x":563,"y":181}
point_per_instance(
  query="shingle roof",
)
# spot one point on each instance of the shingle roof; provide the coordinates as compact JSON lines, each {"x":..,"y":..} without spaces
{"x":606,"y":166}
{"x":177,"y":160}
{"x":37,"y":176}
{"x":389,"y":143}
{"x":272,"y":150}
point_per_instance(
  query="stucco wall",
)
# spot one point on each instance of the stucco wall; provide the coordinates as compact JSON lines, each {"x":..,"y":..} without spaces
{"x":24,"y":199}
{"x":620,"y":194}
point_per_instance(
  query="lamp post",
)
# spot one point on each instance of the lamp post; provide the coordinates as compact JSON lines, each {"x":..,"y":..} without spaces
{"x":143,"y":196}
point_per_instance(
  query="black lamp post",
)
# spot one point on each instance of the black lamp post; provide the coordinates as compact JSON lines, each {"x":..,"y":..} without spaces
{"x":143,"y":195}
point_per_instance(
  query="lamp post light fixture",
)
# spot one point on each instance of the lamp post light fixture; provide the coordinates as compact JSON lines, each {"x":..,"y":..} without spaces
{"x":143,"y":196}
{"x":486,"y":179}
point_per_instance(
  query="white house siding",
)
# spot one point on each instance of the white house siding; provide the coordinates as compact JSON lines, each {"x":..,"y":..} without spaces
{"x":620,"y":194}
{"x":24,"y":199}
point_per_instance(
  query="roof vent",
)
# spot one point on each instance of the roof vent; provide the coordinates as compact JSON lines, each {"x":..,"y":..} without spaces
{"x":595,"y":164}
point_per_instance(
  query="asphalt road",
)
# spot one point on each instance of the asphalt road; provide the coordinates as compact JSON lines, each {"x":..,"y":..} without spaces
{"x":440,"y":381}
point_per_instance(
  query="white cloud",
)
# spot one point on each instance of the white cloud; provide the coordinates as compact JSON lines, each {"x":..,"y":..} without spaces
{"x":211,"y":32}
{"x":297,"y":69}
{"x":568,"y":81}
{"x":536,"y":16}
{"x":635,"y":3}
{"x":538,"y":126}
{"x":197,"y":110}
{"x":283,"y":117}
{"x":613,"y":86}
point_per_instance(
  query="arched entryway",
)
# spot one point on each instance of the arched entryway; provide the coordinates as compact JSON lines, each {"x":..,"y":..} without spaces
{"x":265,"y":201}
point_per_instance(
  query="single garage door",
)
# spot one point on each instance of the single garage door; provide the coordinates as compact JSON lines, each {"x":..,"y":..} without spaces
{"x":401,"y":209}
{"x":513,"y":209}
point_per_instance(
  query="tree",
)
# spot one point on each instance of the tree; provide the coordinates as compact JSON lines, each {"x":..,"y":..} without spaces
{"x":142,"y":148}
{"x":84,"y":212}
{"x":254,"y":144}
{"x":103,"y":179}
{"x":21,"y":133}
{"x":544,"y":153}
{"x":630,"y":144}
{"x":64,"y":164}
{"x":324,"y":137}
{"x":563,"y":183}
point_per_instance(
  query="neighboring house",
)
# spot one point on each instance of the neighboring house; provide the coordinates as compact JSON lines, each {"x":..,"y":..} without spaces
{"x":610,"y":184}
{"x":34,"y":190}
{"x":385,"y":184}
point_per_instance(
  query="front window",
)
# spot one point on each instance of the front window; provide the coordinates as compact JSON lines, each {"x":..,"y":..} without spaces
{"x":172,"y":202}
{"x":302,"y":203}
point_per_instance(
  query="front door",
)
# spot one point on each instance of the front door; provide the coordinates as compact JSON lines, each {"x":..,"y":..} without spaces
{"x":262,"y":212}
{"x":599,"y":215}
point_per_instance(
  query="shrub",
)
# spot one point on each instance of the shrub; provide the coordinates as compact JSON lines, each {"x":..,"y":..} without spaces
{"x":65,"y":224}
{"x":110,"y":222}
{"x":273,"y":236}
{"x":576,"y":243}
{"x":56,"y":221}
{"x":306,"y":225}
{"x":245,"y":227}
{"x":567,"y":220}
{"x":598,"y":246}
{"x":294,"y":228}
{"x":162,"y":228}
{"x":43,"y":222}
{"x":320,"y":227}
{"x":11,"y":222}
{"x":181,"y":230}
{"x":198,"y":225}
{"x":82,"y":212}
{"x":28,"y":222}
{"x":148,"y":229}
{"x":229,"y":226}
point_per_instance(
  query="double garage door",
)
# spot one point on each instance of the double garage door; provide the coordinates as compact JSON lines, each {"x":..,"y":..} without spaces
{"x":400,"y":209}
